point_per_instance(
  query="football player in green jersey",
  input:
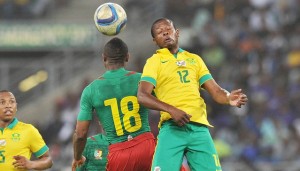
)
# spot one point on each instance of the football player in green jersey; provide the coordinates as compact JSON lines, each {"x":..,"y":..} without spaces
{"x":113,"y":96}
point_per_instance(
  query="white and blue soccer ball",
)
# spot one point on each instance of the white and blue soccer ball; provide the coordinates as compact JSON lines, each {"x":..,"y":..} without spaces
{"x":110,"y":18}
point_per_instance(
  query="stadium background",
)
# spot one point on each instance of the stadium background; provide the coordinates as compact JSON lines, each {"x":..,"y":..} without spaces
{"x":50,"y":49}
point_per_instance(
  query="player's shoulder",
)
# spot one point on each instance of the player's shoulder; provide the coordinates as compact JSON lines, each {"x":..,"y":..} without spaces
{"x":191,"y":54}
{"x":155,"y":59}
{"x":133,"y":73}
{"x":94,"y":83}
{"x":25,"y":126}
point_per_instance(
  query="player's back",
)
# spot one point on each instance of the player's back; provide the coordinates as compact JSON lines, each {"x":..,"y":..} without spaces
{"x":114,"y":97}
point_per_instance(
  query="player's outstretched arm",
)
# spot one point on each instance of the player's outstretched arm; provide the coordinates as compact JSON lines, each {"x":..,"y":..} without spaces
{"x":43,"y":162}
{"x":235,"y":98}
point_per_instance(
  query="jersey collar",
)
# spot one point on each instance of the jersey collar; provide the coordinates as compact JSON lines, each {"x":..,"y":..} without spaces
{"x":166,"y":51}
{"x":115,"y":73}
{"x":13,"y":123}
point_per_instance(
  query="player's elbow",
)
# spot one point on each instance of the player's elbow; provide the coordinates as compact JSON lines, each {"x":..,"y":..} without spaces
{"x":45,"y":162}
{"x":49,"y":163}
{"x":141,"y":96}
{"x":80,"y":135}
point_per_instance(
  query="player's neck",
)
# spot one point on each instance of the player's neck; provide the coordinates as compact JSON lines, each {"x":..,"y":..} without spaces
{"x":114,"y":67}
{"x":174,"y":49}
{"x":4,"y":124}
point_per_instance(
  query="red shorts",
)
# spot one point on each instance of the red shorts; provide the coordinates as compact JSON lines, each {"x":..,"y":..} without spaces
{"x":133,"y":155}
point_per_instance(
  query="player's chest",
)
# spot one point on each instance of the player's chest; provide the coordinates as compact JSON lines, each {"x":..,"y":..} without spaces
{"x":178,"y":70}
{"x":12,"y":141}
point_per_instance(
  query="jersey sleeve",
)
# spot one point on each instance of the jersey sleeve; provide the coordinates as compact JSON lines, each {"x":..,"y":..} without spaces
{"x":37,"y":143}
{"x":86,"y":107}
{"x":150,"y":71}
{"x":203,"y":72}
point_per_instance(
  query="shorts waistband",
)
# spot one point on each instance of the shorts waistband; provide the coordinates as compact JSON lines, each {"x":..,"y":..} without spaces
{"x":127,"y":144}
{"x":171,"y":122}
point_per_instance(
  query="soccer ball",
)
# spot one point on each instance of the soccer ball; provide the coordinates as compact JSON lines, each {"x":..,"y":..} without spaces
{"x":110,"y":18}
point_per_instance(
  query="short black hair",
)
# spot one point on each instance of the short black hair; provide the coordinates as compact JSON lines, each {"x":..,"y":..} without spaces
{"x":5,"y":91}
{"x":159,"y":20}
{"x":116,"y":50}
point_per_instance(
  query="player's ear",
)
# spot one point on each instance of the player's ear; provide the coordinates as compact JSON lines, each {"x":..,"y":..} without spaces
{"x":127,"y":57}
{"x":177,"y":33}
{"x":154,"y":41}
{"x":104,"y":57}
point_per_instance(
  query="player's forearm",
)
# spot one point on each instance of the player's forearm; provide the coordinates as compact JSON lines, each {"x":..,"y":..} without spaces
{"x":78,"y":145}
{"x":152,"y":102}
{"x":42,"y":163}
{"x":221,"y":96}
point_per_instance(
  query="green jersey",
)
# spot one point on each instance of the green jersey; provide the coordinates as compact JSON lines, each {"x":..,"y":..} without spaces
{"x":95,"y":152}
{"x":113,"y":97}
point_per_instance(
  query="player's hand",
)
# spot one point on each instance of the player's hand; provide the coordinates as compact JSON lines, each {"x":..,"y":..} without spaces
{"x":237,"y":98}
{"x":22,"y":162}
{"x":78,"y":163}
{"x":180,"y":117}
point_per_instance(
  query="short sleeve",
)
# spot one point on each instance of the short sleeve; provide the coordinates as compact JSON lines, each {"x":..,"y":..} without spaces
{"x":150,"y":71}
{"x":203,"y":72}
{"x":86,"y":107}
{"x":37,"y":143}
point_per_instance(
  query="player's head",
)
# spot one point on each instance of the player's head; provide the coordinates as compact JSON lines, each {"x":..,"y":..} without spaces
{"x":115,"y":53}
{"x":164,"y":33}
{"x":8,"y":106}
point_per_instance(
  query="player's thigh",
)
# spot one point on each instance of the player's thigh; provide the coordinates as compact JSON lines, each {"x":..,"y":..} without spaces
{"x":169,"y":149}
{"x":143,"y":155}
{"x":201,"y":153}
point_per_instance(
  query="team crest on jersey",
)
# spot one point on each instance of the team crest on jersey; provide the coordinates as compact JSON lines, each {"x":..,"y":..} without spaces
{"x":15,"y":137}
{"x":181,"y":63}
{"x":191,"y":61}
{"x":98,"y":154}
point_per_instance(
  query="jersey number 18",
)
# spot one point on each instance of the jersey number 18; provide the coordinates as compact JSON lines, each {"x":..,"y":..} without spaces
{"x":113,"y":103}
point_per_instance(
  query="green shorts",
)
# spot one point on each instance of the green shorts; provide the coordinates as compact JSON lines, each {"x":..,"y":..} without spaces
{"x":192,"y":140}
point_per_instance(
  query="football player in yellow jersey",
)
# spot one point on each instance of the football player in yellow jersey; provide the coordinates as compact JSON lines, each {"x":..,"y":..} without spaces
{"x":19,"y":140}
{"x":176,"y":76}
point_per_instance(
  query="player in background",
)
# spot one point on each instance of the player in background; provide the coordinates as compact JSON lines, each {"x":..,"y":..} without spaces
{"x":113,"y":96}
{"x":18,"y":140}
{"x":177,"y":76}
{"x":95,"y":153}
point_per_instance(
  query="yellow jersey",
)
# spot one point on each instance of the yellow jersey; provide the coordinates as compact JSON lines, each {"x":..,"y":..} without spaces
{"x":177,"y":80}
{"x":19,"y":138}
